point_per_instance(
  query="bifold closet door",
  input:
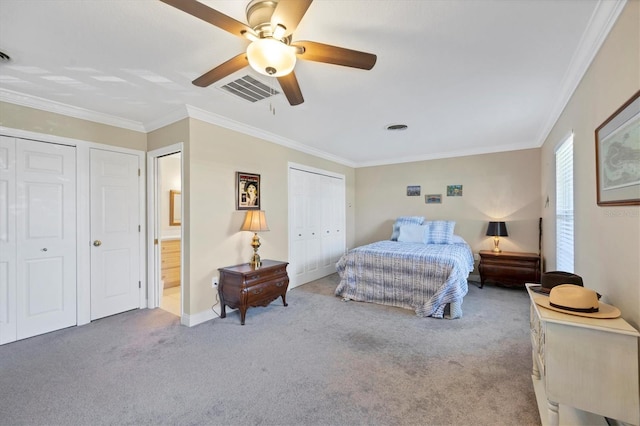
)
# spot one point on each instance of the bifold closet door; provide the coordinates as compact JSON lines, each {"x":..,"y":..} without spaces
{"x":8,"y":244}
{"x":316,"y":225}
{"x":46,"y":237}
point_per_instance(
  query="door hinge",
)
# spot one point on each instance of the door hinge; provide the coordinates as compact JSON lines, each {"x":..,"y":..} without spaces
{"x":139,"y":284}
{"x":138,"y":172}
{"x":138,"y":228}
{"x":155,"y":242}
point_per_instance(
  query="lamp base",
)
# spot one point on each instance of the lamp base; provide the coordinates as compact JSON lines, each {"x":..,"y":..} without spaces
{"x":496,"y":241}
{"x":255,"y":261}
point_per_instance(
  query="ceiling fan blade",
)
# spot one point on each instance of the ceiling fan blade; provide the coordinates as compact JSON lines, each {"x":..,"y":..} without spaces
{"x":212,"y":16}
{"x":320,"y":52}
{"x":232,"y":65}
{"x":289,"y":13}
{"x":291,"y":89}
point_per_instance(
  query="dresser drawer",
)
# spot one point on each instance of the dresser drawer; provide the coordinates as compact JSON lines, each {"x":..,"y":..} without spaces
{"x":510,"y":263}
{"x":510,"y":272}
{"x":261,"y":276}
{"x":263,"y":293}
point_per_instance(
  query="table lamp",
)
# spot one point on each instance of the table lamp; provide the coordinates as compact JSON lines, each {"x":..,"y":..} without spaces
{"x":497,"y":230}
{"x":255,"y":221}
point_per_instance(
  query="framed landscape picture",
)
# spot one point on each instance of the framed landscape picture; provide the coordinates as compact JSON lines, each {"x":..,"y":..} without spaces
{"x":618,"y":156}
{"x":433,"y":198}
{"x":247,"y":191}
{"x":454,"y":190}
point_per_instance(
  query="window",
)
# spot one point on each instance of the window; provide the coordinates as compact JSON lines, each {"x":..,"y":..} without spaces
{"x":564,"y":206}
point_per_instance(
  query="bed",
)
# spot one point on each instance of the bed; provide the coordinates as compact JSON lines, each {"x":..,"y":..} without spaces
{"x":424,"y":269}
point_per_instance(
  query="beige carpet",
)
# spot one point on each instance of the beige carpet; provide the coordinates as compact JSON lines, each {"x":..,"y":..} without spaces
{"x":319,"y":361}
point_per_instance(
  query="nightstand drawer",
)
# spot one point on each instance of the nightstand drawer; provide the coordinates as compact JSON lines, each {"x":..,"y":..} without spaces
{"x":261,"y":276}
{"x":262,"y":294}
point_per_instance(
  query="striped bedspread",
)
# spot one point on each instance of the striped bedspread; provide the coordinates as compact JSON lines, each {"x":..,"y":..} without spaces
{"x":421,"y":277}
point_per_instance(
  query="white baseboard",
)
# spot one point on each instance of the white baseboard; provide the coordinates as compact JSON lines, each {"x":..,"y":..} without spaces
{"x":199,"y":318}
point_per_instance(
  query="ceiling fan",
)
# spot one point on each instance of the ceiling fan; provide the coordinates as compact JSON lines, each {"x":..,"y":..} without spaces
{"x":271,"y":52}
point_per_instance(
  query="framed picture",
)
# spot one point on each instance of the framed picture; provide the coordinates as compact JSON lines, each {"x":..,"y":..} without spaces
{"x":175,"y":204}
{"x":433,"y":198}
{"x":247,"y":191}
{"x":454,"y":190}
{"x":618,"y":156}
{"x":413,"y":190}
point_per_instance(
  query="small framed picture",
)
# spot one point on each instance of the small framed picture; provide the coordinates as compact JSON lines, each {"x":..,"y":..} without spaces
{"x":433,"y":198}
{"x":454,"y":190}
{"x":247,"y":191}
{"x":413,"y":190}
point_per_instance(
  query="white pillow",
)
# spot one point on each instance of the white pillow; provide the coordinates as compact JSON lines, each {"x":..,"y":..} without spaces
{"x":412,"y":234}
{"x":405,"y":220}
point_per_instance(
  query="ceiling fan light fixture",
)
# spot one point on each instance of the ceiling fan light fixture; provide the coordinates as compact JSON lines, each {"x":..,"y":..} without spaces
{"x":271,"y":57}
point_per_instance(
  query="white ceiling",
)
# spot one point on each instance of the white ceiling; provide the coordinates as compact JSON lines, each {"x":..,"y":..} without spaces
{"x":466,"y":76}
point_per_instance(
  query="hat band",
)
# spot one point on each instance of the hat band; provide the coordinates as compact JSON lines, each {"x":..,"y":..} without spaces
{"x":567,"y":308}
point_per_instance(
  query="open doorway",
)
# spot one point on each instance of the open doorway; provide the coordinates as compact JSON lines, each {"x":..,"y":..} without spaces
{"x":170,"y":185}
{"x":165,"y":288}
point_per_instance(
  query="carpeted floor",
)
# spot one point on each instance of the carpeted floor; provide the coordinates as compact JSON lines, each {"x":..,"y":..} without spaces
{"x":319,"y":361}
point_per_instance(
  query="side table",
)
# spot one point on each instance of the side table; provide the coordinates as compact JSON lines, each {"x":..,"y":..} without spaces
{"x":509,"y":268}
{"x":242,"y":286}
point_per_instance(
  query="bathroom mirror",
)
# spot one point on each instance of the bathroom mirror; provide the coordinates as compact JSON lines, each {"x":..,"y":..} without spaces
{"x":175,"y":202}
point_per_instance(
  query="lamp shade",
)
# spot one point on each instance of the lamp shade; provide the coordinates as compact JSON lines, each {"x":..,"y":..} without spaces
{"x":255,"y":221}
{"x":497,"y":229}
{"x":271,"y":57}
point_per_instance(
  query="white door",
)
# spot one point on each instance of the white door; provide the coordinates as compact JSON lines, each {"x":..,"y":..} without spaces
{"x":115,"y":227}
{"x":8,"y":245}
{"x":46,"y":237}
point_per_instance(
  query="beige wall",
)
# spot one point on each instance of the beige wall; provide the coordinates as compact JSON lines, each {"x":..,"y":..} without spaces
{"x":607,"y":239}
{"x":213,"y":224}
{"x":35,"y":120}
{"x":502,"y":186}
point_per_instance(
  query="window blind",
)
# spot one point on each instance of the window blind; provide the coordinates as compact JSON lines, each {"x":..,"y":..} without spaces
{"x":564,"y":206}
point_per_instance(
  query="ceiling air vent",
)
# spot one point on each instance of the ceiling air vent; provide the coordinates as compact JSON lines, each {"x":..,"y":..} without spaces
{"x":250,"y":89}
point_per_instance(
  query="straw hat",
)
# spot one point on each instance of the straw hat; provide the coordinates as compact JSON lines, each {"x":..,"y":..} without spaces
{"x":576,"y":300}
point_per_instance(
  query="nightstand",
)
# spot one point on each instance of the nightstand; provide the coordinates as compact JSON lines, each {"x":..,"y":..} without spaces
{"x":509,"y":268}
{"x":242,"y":286}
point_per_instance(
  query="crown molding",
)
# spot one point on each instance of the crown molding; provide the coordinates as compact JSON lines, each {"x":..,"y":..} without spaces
{"x":602,"y":20}
{"x":218,"y":120}
{"x":68,"y":110}
{"x":449,"y":154}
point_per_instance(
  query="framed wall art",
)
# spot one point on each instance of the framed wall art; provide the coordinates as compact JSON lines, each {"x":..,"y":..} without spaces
{"x":247,"y":191}
{"x":454,"y":190}
{"x":413,"y":190}
{"x":433,"y":198}
{"x":618,"y":156}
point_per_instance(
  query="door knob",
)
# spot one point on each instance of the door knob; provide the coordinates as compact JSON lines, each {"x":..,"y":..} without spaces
{"x":97,"y":243}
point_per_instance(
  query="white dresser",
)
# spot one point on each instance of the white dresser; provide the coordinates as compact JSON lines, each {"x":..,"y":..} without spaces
{"x":585,"y":363}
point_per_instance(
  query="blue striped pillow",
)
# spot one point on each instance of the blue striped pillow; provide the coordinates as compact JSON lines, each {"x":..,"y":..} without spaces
{"x":405,"y":220}
{"x":439,"y":232}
